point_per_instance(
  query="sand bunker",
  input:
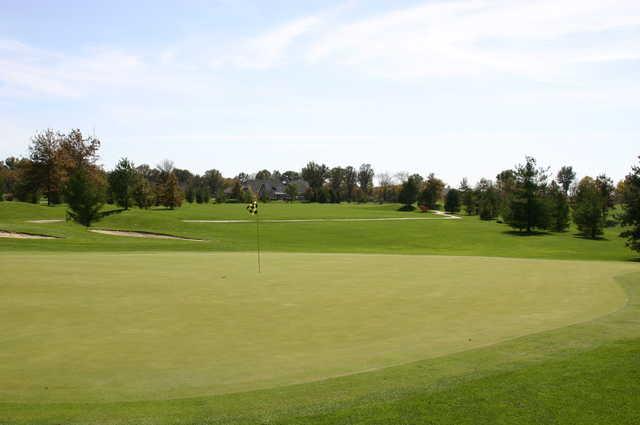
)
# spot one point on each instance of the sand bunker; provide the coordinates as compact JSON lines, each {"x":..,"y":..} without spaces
{"x":44,"y":221}
{"x":148,"y":235}
{"x":17,"y":235}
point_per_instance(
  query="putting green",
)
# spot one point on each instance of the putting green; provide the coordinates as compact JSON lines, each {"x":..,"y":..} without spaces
{"x":93,"y":327}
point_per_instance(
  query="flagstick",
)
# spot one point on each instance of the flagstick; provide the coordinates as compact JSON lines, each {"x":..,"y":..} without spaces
{"x":258,"y":239}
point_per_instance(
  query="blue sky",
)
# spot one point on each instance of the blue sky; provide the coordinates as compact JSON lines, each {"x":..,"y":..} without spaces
{"x":459,"y":88}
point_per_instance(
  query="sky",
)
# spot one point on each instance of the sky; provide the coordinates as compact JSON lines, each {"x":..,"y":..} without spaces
{"x":460,"y":88}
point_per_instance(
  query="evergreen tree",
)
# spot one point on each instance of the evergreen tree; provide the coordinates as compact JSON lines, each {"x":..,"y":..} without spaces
{"x":467,"y":197}
{"x":558,"y":207}
{"x":528,"y":208}
{"x":190,"y":194}
{"x":409,"y":192}
{"x":630,"y":216}
{"x":85,"y":195}
{"x":452,"y":201}
{"x":122,"y":182}
{"x":587,"y":208}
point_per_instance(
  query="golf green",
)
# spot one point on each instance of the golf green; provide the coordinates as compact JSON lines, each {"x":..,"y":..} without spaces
{"x":112,"y":327}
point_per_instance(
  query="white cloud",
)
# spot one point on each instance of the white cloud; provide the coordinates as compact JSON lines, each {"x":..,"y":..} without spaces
{"x":461,"y":38}
{"x":268,"y":50}
{"x":548,"y":40}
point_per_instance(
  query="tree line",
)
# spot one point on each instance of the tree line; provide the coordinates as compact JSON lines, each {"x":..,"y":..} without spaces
{"x":61,"y":167}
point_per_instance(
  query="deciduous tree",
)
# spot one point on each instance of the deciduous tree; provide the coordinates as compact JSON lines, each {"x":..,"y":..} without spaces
{"x":315,"y":174}
{"x":607,"y":191}
{"x":565,"y":178}
{"x":487,"y":199}
{"x":365,"y":180}
{"x":432,"y":192}
{"x":44,"y":153}
{"x":336,"y":184}
{"x":587,"y":208}
{"x":143,"y":194}
{"x":292,"y":191}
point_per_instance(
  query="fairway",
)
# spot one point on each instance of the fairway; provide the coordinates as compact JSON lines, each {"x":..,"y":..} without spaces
{"x":113,"y":327}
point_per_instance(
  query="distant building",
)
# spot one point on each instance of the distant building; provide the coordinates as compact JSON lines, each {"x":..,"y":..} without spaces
{"x":272,"y":189}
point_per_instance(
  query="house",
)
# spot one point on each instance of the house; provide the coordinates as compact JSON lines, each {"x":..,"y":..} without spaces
{"x":272,"y":189}
{"x":276,"y":189}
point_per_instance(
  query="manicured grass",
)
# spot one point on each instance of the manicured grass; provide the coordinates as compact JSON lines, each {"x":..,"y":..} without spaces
{"x":584,"y":373}
{"x":140,"y":326}
{"x":468,"y":236}
{"x":93,"y":333}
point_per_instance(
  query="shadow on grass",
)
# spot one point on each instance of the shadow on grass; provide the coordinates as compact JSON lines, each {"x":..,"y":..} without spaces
{"x":589,"y":238}
{"x":525,"y":234}
{"x":111,"y":212}
{"x":407,"y":208}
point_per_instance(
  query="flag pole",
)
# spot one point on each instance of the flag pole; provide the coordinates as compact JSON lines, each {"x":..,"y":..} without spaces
{"x":258,"y":240}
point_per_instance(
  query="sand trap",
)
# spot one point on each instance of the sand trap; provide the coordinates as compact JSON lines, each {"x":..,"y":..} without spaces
{"x":44,"y":221}
{"x":148,"y":235}
{"x":17,"y":235}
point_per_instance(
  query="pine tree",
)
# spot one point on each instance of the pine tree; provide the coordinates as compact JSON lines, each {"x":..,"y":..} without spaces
{"x":558,"y":208}
{"x":528,"y":208}
{"x":122,"y":181}
{"x":452,"y":201}
{"x":630,"y":216}
{"x":85,"y":194}
{"x":467,"y":197}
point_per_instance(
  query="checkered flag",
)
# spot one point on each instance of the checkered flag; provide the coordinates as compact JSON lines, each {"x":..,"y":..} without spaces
{"x":252,"y":208}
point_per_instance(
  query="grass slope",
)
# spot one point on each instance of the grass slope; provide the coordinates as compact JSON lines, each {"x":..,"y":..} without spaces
{"x":469,"y":236}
